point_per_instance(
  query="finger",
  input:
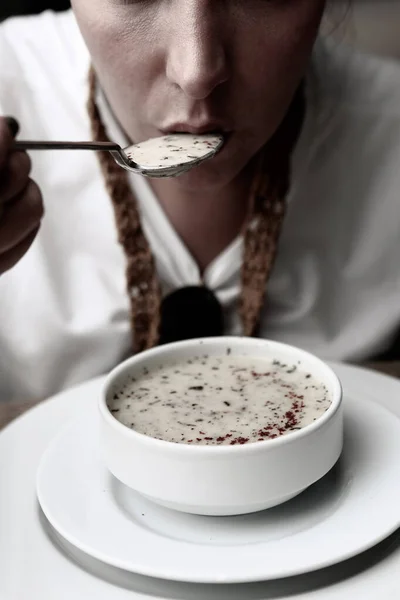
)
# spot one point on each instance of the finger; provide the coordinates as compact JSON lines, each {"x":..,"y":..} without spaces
{"x":10,"y":258}
{"x":21,"y":217}
{"x":15,"y":176}
{"x":13,"y":125}
{"x":6,"y":141}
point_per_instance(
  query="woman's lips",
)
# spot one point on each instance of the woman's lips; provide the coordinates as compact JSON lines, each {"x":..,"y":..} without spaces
{"x":206,"y":128}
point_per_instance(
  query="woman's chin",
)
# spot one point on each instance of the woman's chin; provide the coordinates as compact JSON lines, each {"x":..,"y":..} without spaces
{"x":212,"y":174}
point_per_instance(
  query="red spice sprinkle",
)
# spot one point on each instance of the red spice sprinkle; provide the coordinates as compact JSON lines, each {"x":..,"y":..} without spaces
{"x":239,"y":440}
{"x":198,"y":439}
{"x":202,"y":433}
{"x":221,"y":439}
{"x":190,"y":441}
{"x":208,"y":439}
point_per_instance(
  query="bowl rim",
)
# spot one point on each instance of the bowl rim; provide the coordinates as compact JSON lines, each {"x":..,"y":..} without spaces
{"x":208,"y":450}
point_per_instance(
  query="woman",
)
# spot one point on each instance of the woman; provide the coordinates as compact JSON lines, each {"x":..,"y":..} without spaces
{"x":309,"y":169}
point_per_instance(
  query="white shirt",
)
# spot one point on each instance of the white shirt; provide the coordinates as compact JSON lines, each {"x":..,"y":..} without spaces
{"x":335,"y":287}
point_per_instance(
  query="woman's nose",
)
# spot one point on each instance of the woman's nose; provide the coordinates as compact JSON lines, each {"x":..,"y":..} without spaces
{"x":196,"y":57}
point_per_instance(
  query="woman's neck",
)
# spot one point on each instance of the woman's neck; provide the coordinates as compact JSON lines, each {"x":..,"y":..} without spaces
{"x":206,"y":221}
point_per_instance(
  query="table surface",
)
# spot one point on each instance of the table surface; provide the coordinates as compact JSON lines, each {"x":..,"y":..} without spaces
{"x":36,"y":561}
{"x":10,"y":411}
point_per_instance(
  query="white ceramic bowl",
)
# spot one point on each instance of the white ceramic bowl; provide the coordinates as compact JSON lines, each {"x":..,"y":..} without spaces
{"x":222,"y":480}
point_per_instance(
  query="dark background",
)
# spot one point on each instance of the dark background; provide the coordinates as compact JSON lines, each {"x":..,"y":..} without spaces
{"x":23,"y":7}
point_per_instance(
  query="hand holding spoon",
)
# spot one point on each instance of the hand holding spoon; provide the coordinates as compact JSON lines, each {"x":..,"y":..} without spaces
{"x":166,"y":156}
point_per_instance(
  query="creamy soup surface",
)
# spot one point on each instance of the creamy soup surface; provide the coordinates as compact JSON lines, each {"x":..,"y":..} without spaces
{"x":173,"y":149}
{"x":220,"y":400}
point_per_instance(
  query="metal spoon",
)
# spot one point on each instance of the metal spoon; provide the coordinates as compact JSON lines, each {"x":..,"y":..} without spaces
{"x":166,"y":156}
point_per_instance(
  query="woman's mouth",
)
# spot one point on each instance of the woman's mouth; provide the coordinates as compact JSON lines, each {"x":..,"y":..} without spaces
{"x":211,"y":128}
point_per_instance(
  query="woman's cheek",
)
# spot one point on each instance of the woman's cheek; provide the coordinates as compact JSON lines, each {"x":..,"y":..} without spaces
{"x":115,"y":36}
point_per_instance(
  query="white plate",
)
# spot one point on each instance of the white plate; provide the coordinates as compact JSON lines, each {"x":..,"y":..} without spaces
{"x":350,"y":510}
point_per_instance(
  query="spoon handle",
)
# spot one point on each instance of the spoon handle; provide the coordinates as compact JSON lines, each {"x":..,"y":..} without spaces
{"x":35,"y":145}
